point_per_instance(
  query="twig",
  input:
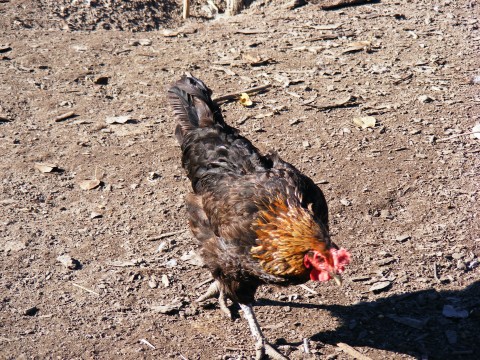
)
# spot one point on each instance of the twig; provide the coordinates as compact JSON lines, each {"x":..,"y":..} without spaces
{"x":352,"y":352}
{"x":143,"y":341}
{"x":65,"y":116}
{"x":164,"y":235}
{"x":435,"y":272}
{"x":235,"y":95}
{"x":84,"y":288}
{"x":186,"y":9}
{"x":335,"y":4}
{"x":303,"y":286}
{"x":458,"y":135}
{"x":306,"y":348}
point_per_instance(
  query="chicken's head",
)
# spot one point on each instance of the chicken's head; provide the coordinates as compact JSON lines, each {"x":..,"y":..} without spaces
{"x":326,"y":265}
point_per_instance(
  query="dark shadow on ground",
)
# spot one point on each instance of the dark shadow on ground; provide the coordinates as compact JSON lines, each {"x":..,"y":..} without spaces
{"x":410,"y":323}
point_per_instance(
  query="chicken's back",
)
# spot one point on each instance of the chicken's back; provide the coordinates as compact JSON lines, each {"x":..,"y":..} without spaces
{"x":210,"y":147}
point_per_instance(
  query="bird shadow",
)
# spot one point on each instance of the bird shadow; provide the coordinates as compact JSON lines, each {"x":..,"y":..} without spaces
{"x":424,"y":324}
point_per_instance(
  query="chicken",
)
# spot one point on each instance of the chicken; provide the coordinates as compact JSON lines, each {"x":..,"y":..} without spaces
{"x":257,"y":218}
{"x":233,"y":7}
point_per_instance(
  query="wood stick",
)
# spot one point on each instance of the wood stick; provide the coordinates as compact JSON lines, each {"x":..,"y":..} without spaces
{"x":186,"y":9}
{"x":84,"y":288}
{"x":335,"y":4}
{"x":435,"y":272}
{"x":303,"y":286}
{"x":143,"y":341}
{"x":458,"y":135}
{"x":236,"y":95}
{"x":164,"y":235}
{"x":352,"y":352}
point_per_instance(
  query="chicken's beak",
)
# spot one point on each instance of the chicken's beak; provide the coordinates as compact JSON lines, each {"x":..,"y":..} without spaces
{"x":337,"y":278}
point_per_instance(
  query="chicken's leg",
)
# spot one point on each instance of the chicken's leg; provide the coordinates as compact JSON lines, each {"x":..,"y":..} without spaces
{"x":262,"y":346}
{"x":213,"y":291}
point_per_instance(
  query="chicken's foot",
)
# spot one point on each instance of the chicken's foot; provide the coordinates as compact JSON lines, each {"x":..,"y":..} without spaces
{"x":215,"y":290}
{"x":262,"y":346}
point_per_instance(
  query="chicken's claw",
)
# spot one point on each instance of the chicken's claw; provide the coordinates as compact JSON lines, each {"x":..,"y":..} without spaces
{"x":213,"y":291}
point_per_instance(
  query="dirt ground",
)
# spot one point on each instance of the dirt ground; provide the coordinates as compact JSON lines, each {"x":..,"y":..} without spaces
{"x":403,"y":195}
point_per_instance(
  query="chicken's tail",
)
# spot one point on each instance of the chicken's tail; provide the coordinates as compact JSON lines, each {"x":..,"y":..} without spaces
{"x":193,"y":106}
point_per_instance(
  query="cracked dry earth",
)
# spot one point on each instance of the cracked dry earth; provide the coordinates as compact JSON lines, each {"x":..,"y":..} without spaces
{"x":96,"y":257}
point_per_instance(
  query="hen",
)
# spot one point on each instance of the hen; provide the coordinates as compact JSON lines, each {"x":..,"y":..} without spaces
{"x":257,"y":218}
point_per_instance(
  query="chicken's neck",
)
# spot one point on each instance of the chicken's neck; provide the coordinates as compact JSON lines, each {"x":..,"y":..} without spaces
{"x":286,"y":232}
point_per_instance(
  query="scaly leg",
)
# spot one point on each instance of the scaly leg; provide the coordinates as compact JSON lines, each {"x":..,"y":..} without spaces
{"x":213,"y":291}
{"x":262,"y":346}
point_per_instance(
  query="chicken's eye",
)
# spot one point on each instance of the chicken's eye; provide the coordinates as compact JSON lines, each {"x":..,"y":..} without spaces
{"x":319,"y":258}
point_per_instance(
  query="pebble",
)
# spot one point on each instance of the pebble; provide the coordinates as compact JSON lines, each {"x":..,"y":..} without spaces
{"x":450,"y":312}
{"x":451,"y":336}
{"x":457,"y":256}
{"x":306,"y":144}
{"x":345,"y":202}
{"x":171,"y":263}
{"x":30,"y":311}
{"x":425,"y":99}
{"x":69,"y":262}
{"x":461,"y":265}
{"x":380,"y":286}
{"x":165,"y":280}
{"x":402,"y":238}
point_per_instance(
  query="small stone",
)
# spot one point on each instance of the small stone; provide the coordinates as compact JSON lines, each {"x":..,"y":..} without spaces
{"x":95,"y":215}
{"x":385,"y":213}
{"x":69,"y":262}
{"x":165,"y":280}
{"x":153,"y":176}
{"x":461,"y":265}
{"x":31,"y":311}
{"x":402,"y":238}
{"x":380,"y":286}
{"x":425,"y":99}
{"x":451,"y":336}
{"x":345,"y":202}
{"x":171,"y":263}
{"x":145,"y":42}
{"x":306,"y":144}
{"x":457,"y":255}
{"x":450,"y":312}
{"x":14,"y":246}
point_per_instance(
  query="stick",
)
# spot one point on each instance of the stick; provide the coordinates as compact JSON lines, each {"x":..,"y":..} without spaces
{"x":435,"y":273}
{"x":84,"y":288}
{"x":303,"y":286}
{"x":143,"y":341}
{"x":352,"y":352}
{"x":236,"y":95}
{"x":65,"y":116}
{"x":164,"y":235}
{"x":335,"y":4}
{"x":306,"y":348}
{"x":186,"y":9}
{"x":458,"y":135}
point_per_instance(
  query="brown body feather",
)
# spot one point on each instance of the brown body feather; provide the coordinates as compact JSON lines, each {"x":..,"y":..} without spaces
{"x":255,"y":216}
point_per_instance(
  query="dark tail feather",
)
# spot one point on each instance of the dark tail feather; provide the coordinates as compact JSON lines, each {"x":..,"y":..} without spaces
{"x":192,"y":106}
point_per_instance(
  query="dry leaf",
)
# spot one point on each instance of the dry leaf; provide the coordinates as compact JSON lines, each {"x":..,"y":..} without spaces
{"x":45,"y":167}
{"x":89,"y":184}
{"x":245,"y":100}
{"x":365,"y":122}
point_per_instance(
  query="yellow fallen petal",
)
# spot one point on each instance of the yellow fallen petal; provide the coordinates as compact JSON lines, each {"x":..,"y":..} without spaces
{"x":245,"y":100}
